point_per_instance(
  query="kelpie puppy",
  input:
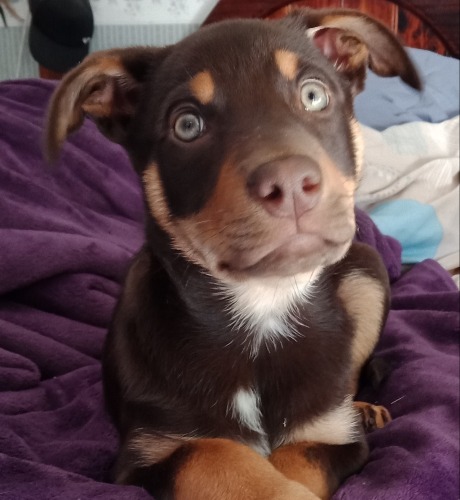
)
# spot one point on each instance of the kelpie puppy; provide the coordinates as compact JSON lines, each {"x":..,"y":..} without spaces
{"x":234,"y":353}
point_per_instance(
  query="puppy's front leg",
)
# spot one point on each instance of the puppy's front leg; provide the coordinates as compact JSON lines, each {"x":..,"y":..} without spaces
{"x":320,"y":467}
{"x":224,"y":469}
{"x":210,"y":469}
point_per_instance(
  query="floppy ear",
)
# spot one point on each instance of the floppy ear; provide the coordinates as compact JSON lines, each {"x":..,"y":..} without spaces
{"x":352,"y":41}
{"x":106,"y":86}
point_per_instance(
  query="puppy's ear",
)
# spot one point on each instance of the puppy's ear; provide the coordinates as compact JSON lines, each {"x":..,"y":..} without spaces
{"x":352,"y":41}
{"x":106,"y":86}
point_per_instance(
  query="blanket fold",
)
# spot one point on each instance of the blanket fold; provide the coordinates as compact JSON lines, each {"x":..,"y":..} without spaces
{"x":66,"y":237}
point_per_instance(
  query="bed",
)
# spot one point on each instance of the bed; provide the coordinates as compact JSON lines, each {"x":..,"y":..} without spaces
{"x":67,"y":234}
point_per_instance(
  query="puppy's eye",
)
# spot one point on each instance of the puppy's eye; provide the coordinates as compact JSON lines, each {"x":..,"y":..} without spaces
{"x":188,"y":127}
{"x":314,"y":95}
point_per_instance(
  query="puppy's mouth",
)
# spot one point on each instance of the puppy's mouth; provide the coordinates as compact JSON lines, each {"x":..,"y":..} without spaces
{"x":296,"y":254}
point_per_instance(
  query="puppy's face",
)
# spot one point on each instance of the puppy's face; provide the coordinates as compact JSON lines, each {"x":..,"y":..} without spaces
{"x":244,"y":138}
{"x":253,"y":154}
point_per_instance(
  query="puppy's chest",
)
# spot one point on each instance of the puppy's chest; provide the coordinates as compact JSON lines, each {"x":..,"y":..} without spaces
{"x":282,"y":395}
{"x":267,"y":367}
{"x":280,"y":370}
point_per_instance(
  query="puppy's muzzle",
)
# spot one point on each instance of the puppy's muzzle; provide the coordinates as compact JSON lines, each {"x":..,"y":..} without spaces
{"x":287,"y":187}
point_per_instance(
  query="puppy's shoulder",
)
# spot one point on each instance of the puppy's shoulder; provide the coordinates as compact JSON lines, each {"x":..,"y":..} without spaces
{"x":144,"y":283}
{"x":362,"y":260}
{"x":360,"y":280}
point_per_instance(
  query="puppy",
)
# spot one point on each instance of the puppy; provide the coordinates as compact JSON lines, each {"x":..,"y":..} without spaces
{"x":244,"y":322}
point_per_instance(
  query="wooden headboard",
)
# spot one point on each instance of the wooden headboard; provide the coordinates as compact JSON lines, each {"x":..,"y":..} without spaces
{"x":424,"y":24}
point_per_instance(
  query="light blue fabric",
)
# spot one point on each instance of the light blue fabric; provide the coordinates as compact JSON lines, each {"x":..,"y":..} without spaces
{"x":415,"y":225}
{"x":389,"y":101}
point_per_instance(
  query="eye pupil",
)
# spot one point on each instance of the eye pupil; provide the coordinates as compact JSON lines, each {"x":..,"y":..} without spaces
{"x":188,"y":127}
{"x":188,"y":124}
{"x":313,"y":95}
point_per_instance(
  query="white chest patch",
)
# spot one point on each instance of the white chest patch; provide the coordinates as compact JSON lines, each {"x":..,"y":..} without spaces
{"x":245,"y":408}
{"x":267,"y":308}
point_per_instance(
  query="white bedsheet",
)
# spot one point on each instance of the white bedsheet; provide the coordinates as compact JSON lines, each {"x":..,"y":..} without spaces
{"x":410,"y":187}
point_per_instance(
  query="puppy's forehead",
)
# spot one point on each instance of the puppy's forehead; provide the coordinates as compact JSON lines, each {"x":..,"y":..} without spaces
{"x":203,"y":85}
{"x":233,"y":52}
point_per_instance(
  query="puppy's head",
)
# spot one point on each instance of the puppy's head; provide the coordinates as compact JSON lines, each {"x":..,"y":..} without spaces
{"x":243,"y":134}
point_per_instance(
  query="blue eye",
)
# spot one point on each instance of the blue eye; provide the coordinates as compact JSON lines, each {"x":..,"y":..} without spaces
{"x":188,"y":127}
{"x":313,"y":95}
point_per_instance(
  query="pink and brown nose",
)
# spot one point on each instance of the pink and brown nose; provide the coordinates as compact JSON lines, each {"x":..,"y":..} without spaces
{"x":288,"y":187}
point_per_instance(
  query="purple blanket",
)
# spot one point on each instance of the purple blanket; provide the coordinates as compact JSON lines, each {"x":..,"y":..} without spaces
{"x":66,"y":237}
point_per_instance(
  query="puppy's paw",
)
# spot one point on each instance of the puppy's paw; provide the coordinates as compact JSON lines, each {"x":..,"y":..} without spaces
{"x":372,"y":416}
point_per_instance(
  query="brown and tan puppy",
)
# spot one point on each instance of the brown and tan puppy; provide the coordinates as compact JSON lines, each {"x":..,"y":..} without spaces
{"x":235,"y":350}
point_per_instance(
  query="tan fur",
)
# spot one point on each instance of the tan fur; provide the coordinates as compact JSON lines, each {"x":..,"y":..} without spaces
{"x":287,"y":63}
{"x":228,"y":208}
{"x":182,"y":231}
{"x":232,"y":471}
{"x":364,"y":300}
{"x":292,"y":462}
{"x":155,"y":196}
{"x":373,"y":416}
{"x":358,"y":146}
{"x":199,"y":235}
{"x":203,"y":87}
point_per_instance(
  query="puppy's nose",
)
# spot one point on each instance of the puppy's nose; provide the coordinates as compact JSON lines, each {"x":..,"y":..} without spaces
{"x":288,"y":187}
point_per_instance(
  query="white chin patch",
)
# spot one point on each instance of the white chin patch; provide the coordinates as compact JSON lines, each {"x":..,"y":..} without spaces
{"x":267,"y":308}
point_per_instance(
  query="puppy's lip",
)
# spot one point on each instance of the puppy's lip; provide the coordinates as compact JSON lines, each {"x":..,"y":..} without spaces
{"x":284,"y":259}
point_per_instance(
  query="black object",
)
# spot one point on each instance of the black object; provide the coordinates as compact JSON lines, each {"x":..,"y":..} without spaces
{"x":60,"y":32}
{"x":2,"y":14}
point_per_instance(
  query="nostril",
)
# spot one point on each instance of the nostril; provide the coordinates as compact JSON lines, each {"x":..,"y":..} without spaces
{"x":309,"y":186}
{"x":275,"y":194}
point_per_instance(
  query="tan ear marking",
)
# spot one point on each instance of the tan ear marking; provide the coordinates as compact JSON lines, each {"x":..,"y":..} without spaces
{"x":203,"y":87}
{"x":287,"y":63}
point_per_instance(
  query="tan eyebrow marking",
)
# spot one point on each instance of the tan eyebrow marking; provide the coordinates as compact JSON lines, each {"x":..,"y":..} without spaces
{"x":287,"y":63}
{"x":203,"y":87}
